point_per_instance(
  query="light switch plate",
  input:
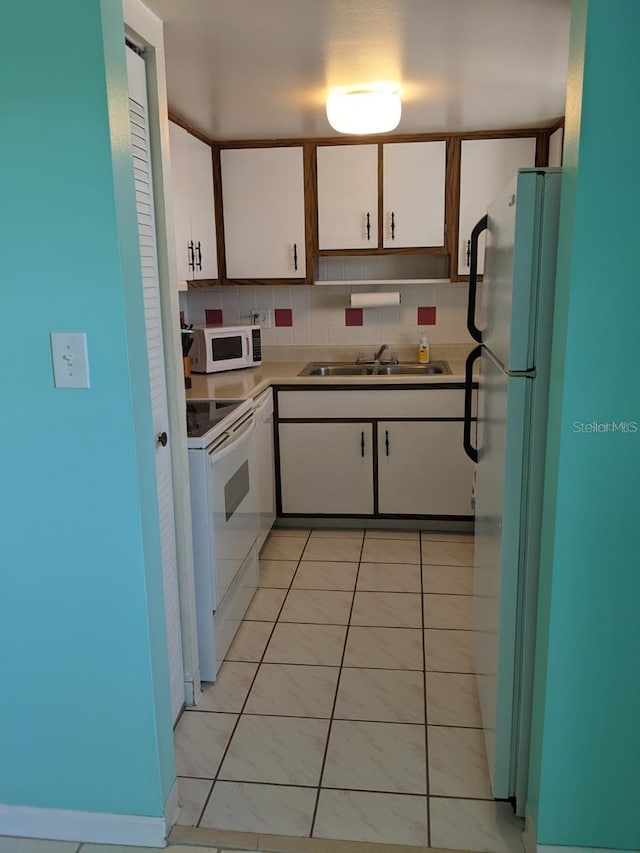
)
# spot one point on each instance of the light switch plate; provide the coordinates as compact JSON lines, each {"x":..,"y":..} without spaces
{"x":70,"y":361}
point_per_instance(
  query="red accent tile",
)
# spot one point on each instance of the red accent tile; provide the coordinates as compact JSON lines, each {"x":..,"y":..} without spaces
{"x":212,"y":316}
{"x":353,"y":316}
{"x":426,"y":316}
{"x":283,"y":317}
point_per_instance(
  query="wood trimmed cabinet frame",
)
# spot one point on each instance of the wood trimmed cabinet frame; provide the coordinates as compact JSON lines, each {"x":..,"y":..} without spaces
{"x":309,"y":146}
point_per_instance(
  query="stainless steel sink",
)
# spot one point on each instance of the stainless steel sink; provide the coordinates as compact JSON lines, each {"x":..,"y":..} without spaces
{"x":434,"y":368}
{"x":316,"y":368}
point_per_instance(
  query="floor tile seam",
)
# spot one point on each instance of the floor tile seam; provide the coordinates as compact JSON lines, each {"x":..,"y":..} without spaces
{"x":321,"y":788}
{"x":349,"y":625}
{"x":430,"y":538}
{"x":308,"y":787}
{"x":451,"y":671}
{"x":326,"y":560}
{"x":364,"y":589}
{"x":447,"y":565}
{"x":321,"y":665}
{"x":335,"y":717}
{"x":424,"y":695}
{"x":374,"y":791}
{"x":465,"y":797}
{"x":246,"y":698}
{"x":392,"y":591}
{"x":452,"y":594}
{"x":335,"y":696}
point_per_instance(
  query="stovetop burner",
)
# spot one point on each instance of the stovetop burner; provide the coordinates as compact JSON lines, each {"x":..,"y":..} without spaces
{"x":204,"y":414}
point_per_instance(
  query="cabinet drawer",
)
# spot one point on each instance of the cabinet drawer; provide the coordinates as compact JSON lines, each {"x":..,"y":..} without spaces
{"x":433,"y":402}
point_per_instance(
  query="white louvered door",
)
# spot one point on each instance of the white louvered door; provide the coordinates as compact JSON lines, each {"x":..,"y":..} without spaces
{"x":155,"y":352}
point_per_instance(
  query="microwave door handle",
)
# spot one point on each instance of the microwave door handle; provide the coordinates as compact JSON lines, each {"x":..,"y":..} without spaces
{"x":245,"y":344}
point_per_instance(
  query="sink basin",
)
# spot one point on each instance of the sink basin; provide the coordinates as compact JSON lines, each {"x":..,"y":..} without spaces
{"x":434,"y":368}
{"x":341,"y":369}
{"x":337,"y":370}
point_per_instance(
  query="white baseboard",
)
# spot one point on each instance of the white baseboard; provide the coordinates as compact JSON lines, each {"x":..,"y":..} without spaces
{"x":66,"y":825}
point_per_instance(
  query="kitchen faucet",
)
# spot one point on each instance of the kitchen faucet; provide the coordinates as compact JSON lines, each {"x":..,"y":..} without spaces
{"x":377,"y":356}
{"x":380,"y":351}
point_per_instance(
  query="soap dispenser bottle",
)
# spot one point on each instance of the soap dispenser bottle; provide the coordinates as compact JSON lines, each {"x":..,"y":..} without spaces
{"x":423,"y":350}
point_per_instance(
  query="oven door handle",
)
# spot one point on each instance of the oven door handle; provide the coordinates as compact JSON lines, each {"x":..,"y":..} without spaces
{"x":231,"y":439}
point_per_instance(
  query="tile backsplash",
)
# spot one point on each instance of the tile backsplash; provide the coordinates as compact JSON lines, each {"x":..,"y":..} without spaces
{"x":317,"y":314}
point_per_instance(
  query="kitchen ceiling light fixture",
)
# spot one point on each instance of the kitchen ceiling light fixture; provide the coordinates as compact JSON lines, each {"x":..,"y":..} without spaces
{"x":374,"y":108}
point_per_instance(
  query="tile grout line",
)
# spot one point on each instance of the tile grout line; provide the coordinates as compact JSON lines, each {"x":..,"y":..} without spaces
{"x":426,"y":716}
{"x":246,"y":698}
{"x":335,"y":698}
{"x":388,"y":793}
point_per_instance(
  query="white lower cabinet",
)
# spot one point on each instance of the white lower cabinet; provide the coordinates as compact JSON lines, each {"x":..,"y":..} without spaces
{"x":328,"y":463}
{"x":326,"y":468}
{"x":422,"y":469}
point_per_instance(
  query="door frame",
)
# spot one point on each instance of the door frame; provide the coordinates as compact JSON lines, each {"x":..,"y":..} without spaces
{"x":144,"y":29}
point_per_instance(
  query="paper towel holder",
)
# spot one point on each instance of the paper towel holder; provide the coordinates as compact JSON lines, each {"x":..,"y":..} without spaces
{"x":375,"y":300}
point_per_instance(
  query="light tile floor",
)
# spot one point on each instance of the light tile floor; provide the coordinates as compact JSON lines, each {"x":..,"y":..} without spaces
{"x":347,"y":708}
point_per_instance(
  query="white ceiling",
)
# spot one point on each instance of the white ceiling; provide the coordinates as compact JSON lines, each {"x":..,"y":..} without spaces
{"x":250,"y":69}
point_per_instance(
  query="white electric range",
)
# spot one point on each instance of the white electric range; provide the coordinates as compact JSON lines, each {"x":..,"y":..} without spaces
{"x":223,"y":471}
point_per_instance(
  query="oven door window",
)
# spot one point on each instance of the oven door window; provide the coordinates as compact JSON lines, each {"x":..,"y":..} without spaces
{"x":235,"y":490}
{"x":227,"y":348}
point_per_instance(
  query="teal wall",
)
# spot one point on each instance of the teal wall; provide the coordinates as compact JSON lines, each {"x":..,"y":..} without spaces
{"x":585,"y":768}
{"x":85,"y":719}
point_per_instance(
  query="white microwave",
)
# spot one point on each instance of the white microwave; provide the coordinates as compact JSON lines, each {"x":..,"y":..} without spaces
{"x":225,"y":348}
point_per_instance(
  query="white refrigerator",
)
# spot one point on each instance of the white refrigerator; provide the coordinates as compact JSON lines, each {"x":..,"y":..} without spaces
{"x":509,"y":448}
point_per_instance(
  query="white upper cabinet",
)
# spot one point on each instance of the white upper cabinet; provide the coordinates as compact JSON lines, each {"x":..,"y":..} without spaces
{"x":263,"y":202}
{"x":487,"y":165}
{"x":556,"y":141}
{"x":413,"y":194}
{"x":413,"y":182}
{"x":347,"y":196}
{"x":193,"y":206}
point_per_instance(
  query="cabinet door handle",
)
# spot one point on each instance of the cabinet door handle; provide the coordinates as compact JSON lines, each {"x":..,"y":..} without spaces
{"x":192,"y":262}
{"x":295,"y":256}
{"x":362,"y":444}
{"x":161,"y":439}
{"x":468,"y":252}
{"x":393,"y":225}
{"x":368,"y":226}
{"x":198,"y":256}
{"x":386,"y":441}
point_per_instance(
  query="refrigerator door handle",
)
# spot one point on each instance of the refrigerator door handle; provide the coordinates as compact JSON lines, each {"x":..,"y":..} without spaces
{"x":469,"y":449}
{"x":474,"y":331}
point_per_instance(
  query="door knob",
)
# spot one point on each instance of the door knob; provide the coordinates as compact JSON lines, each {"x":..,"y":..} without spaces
{"x":162,"y":439}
